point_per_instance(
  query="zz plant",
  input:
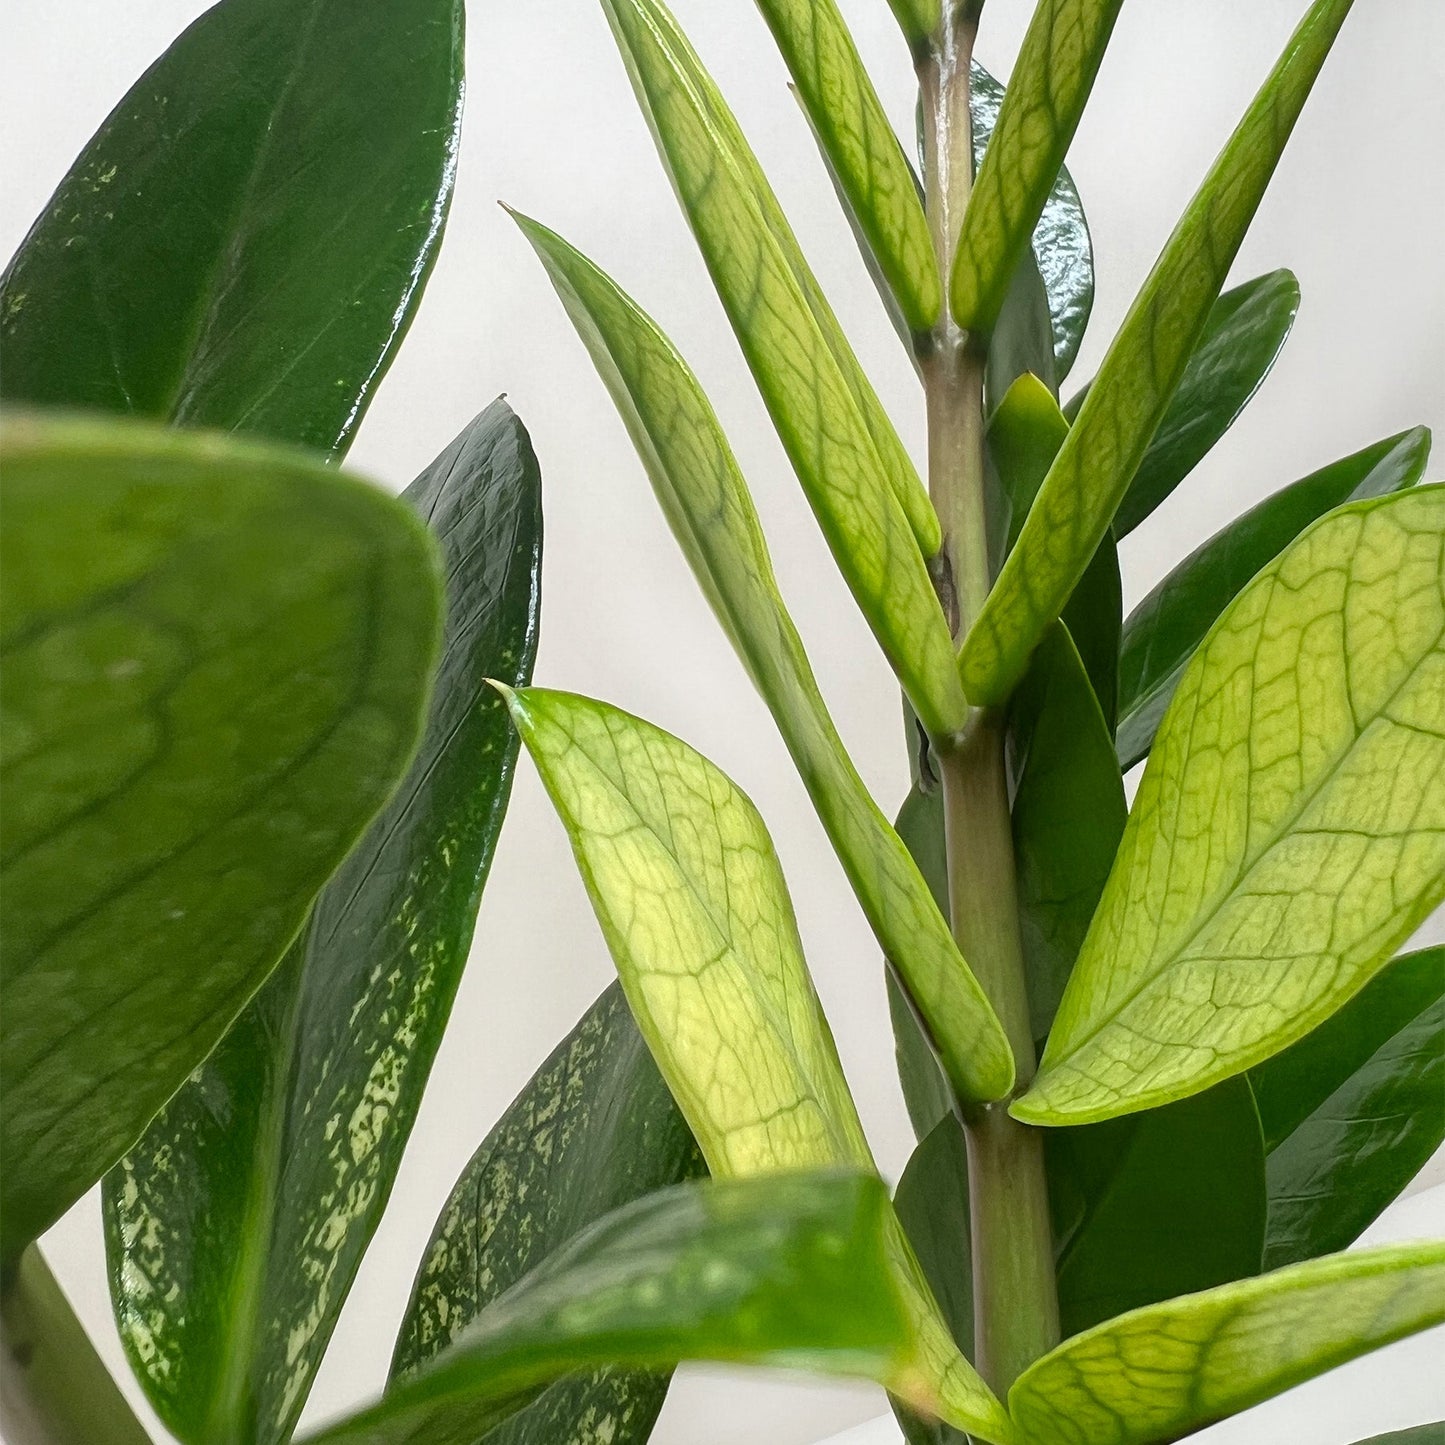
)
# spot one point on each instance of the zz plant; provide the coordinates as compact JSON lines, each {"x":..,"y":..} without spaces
{"x":260,"y":722}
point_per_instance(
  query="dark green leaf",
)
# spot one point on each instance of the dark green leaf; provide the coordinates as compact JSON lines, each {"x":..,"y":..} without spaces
{"x":217,"y":658}
{"x":1163,"y":631}
{"x":594,"y":1129}
{"x":792,"y":1270}
{"x":265,"y":1177}
{"x":1354,"y":1110}
{"x":1419,"y":1435}
{"x":243,"y":242}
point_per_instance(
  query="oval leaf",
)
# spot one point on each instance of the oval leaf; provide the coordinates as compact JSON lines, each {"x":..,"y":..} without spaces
{"x":1139,"y":376}
{"x":1163,"y":1372}
{"x":1289,"y":831}
{"x":244,"y":241}
{"x":217,"y":658}
{"x":594,"y":1129}
{"x":1163,"y":631}
{"x":265,"y":1177}
{"x":706,"y":500}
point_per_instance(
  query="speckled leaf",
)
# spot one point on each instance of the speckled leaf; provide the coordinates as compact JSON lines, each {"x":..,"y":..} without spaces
{"x":1139,"y":376}
{"x":1354,"y":1110}
{"x":244,"y":241}
{"x":868,"y":513}
{"x":1289,"y":831}
{"x":1162,"y":1372}
{"x":862,"y":147}
{"x":594,"y":1129}
{"x":792,"y":1271}
{"x":216,"y":661}
{"x":687,"y":888}
{"x":1163,"y":631}
{"x":1047,"y":91}
{"x":706,"y":500}
{"x":263,"y":1180}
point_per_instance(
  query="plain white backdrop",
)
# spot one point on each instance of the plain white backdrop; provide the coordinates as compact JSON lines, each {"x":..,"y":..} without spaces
{"x":1356,"y":210}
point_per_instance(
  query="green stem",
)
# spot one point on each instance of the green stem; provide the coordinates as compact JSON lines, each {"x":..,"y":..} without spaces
{"x":54,"y":1390}
{"x":1016,"y":1312}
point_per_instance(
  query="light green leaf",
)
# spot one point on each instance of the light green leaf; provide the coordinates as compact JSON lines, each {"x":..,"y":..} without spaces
{"x":860,"y":142}
{"x":691,"y":899}
{"x":265,"y":1176}
{"x":812,"y":403}
{"x":594,"y":1129}
{"x":1163,"y":631}
{"x":216,"y":660}
{"x":1164,"y":1371}
{"x":918,"y":19}
{"x":1093,"y":470}
{"x":1289,"y":831}
{"x":706,"y":500}
{"x":1047,"y":91}
{"x":792,"y":1271}
{"x":244,"y":241}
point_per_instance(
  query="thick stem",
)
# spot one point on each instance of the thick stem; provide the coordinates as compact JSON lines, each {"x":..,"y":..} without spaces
{"x":54,"y":1390}
{"x":1016,"y":1312}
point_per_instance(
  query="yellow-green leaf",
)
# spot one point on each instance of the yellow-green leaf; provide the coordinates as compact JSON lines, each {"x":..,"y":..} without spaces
{"x":918,"y":19}
{"x":1046,"y":94}
{"x":807,"y":393}
{"x":1140,"y":373}
{"x":850,"y":123}
{"x":692,"y":902}
{"x":1289,"y":831}
{"x":706,"y":500}
{"x":1164,"y":1371}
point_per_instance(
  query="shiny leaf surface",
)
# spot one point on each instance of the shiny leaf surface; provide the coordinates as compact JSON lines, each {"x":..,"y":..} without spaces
{"x":311,"y":1096}
{"x":1139,"y":376}
{"x":1163,"y":631}
{"x":1289,"y":831}
{"x":807,"y":393}
{"x":594,"y":1129}
{"x":243,"y":242}
{"x":791,"y":1271}
{"x":216,"y":663}
{"x":1048,"y":88}
{"x":706,"y":501}
{"x":1354,"y":1110}
{"x":687,"y":888}
{"x":1161,"y":1372}
{"x":849,"y":120}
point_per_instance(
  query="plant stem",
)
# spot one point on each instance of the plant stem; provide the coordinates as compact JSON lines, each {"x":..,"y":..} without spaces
{"x":1016,"y":1313}
{"x":54,"y":1390}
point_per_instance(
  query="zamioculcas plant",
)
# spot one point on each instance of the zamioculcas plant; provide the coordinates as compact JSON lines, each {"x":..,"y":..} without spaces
{"x":260,"y":722}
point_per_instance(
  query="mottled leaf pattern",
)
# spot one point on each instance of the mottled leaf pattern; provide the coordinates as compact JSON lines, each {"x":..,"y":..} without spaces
{"x":237,"y":1222}
{"x":216,"y":661}
{"x":1093,"y":470}
{"x":1162,"y":1372}
{"x":706,"y":500}
{"x":1289,"y":831}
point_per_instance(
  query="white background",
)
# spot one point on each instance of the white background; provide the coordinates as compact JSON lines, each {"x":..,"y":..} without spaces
{"x":1356,"y":211}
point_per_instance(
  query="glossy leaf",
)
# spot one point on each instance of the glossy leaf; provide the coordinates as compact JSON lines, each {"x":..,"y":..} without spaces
{"x":216,"y":657}
{"x":808,"y":395}
{"x":1354,"y":1110}
{"x":1289,"y":831}
{"x":706,"y":500}
{"x":687,"y":888}
{"x":1161,"y":1372}
{"x":265,"y":1177}
{"x":1163,"y":631}
{"x":244,"y":241}
{"x":1062,"y":253}
{"x":593,"y":1130}
{"x":791,"y":1271}
{"x":861,"y":145}
{"x":1048,"y":88}
{"x":1139,"y":377}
